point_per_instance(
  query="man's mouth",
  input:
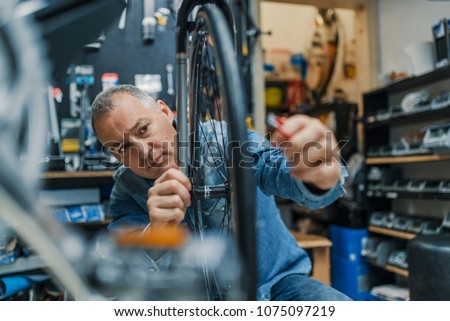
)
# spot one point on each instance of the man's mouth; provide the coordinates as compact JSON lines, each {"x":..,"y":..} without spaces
{"x":157,"y":162}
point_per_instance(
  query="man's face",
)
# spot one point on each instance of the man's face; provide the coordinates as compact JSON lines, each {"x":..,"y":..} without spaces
{"x":141,"y":138}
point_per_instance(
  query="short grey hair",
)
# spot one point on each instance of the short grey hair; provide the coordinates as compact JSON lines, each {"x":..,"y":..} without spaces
{"x":104,"y":102}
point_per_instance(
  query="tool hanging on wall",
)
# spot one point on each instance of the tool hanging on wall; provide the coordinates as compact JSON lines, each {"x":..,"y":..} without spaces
{"x":80,"y":77}
{"x":96,"y":45}
{"x":55,"y":137}
{"x":123,"y":16}
{"x":149,"y":21}
{"x":162,"y":17}
{"x":170,"y":90}
{"x":154,"y":21}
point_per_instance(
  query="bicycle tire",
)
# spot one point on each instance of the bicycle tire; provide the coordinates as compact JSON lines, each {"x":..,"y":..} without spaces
{"x":212,"y":39}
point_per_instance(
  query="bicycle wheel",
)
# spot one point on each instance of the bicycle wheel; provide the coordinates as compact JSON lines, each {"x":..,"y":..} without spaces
{"x":223,"y":190}
{"x":23,"y":132}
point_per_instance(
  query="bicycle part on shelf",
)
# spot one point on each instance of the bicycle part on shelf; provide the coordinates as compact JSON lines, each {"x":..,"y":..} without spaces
{"x":437,"y":138}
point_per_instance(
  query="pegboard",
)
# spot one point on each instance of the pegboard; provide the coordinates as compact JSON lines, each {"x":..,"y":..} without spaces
{"x":125,"y":53}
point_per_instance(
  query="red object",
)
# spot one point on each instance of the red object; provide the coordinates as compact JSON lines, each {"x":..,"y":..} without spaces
{"x":109,"y":79}
{"x":280,"y":121}
{"x":276,"y":122}
{"x":57,"y":94}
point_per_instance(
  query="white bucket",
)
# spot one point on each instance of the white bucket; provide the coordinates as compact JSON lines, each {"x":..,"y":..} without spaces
{"x":422,"y":56}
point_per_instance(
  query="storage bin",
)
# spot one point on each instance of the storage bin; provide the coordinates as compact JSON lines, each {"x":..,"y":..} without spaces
{"x":351,"y":278}
{"x":348,"y":243}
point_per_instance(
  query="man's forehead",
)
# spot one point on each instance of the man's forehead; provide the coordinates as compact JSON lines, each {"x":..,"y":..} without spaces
{"x":112,"y":126}
{"x":126,"y":99}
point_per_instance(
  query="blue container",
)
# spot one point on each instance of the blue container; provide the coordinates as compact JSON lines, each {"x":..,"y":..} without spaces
{"x":371,"y":297}
{"x":348,"y":243}
{"x":351,"y":278}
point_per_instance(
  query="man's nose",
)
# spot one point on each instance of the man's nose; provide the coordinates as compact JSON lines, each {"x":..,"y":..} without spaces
{"x":145,"y":148}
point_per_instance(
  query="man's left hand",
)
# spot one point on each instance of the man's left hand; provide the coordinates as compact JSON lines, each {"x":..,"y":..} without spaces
{"x":311,"y":150}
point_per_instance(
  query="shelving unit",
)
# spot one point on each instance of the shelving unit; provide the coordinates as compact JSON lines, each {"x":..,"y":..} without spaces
{"x":64,"y":180}
{"x":385,"y":124}
{"x":426,"y":114}
{"x":83,"y":183}
{"x":22,"y":264}
{"x":55,"y":180}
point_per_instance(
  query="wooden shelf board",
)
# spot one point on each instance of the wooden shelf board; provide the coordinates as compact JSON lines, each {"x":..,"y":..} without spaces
{"x":405,"y":159}
{"x":83,"y":174}
{"x":309,"y":241}
{"x":386,"y":231}
{"x":396,"y":270}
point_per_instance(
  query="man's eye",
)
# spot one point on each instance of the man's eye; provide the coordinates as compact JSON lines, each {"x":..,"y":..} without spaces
{"x":123,"y":148}
{"x":143,"y":129}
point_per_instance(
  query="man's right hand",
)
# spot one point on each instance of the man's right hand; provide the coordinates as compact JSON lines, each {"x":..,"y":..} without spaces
{"x":169,"y":198}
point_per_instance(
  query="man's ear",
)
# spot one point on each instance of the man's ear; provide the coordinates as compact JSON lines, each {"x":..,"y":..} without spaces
{"x":165,"y":110}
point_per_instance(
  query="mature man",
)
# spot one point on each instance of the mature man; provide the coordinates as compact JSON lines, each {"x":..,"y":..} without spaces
{"x":139,"y":132}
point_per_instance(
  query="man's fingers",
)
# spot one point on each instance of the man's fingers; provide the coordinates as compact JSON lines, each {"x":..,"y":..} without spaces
{"x":289,"y":127}
{"x":169,"y":201}
{"x":174,"y":174}
{"x":302,"y":141}
{"x":169,"y":197}
{"x":166,"y":215}
{"x":172,"y":187}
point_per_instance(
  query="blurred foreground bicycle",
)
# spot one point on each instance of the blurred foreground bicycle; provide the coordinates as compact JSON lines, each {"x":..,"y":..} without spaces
{"x":101,"y":269}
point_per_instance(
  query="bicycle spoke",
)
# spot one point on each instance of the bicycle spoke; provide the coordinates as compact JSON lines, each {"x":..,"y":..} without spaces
{"x":216,"y":89}
{"x":224,"y":179}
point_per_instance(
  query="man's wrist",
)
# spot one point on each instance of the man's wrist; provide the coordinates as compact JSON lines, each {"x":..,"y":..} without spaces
{"x":315,"y":189}
{"x":327,"y":177}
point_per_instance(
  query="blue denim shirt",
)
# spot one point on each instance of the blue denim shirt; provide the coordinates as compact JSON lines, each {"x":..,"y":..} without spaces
{"x":278,"y":253}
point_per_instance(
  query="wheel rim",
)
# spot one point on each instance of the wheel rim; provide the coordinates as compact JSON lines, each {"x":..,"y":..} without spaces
{"x":215,"y":187}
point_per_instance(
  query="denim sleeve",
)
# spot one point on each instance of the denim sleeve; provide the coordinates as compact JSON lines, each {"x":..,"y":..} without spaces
{"x":272,"y":175}
{"x":125,"y":211}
